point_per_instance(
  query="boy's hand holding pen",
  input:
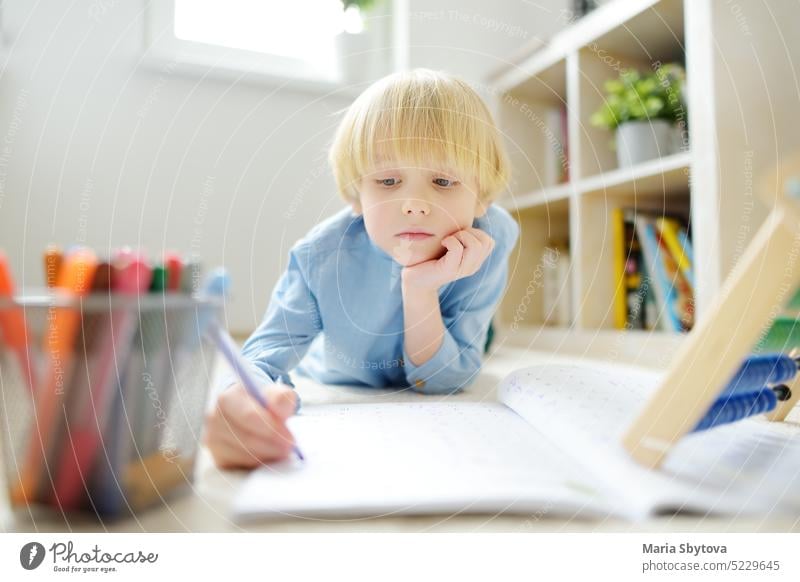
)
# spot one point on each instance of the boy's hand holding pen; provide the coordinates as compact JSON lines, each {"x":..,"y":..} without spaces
{"x":248,"y":424}
{"x":242,"y":434}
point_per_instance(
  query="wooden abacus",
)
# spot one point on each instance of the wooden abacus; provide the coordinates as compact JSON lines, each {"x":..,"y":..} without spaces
{"x":761,"y":283}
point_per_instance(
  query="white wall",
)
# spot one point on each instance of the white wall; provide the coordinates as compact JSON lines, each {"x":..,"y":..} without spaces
{"x":473,"y":37}
{"x":97,"y":148}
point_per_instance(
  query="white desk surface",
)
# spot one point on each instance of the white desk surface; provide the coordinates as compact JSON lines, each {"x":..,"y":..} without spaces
{"x":204,"y":508}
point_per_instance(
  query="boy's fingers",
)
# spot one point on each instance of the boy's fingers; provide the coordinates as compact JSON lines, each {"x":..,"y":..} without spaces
{"x":265,"y":425}
{"x":281,"y":401}
{"x":468,"y":239}
{"x":235,"y":452}
{"x":232,"y":454}
{"x":265,"y":450}
{"x":263,"y":438}
{"x":483,"y":236}
{"x":455,"y":251}
{"x":474,"y":252}
{"x":243,"y":414}
{"x":243,"y":434}
{"x":238,"y":404}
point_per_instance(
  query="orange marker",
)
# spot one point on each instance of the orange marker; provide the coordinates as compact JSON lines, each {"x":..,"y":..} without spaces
{"x":13,"y":329}
{"x":53,"y":259}
{"x":74,"y":280}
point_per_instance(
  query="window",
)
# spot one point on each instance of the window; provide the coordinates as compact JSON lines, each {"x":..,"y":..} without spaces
{"x":285,"y":38}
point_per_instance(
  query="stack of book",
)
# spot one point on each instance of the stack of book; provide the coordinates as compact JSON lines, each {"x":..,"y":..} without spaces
{"x":654,"y":281}
{"x":556,"y":154}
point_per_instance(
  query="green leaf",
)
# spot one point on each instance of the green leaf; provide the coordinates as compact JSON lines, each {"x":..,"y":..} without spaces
{"x":654,"y":105}
{"x":629,"y":76}
{"x":362,"y":5}
{"x":635,"y":96}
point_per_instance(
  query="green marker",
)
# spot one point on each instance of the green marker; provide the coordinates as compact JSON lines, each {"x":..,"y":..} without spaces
{"x":160,"y":277}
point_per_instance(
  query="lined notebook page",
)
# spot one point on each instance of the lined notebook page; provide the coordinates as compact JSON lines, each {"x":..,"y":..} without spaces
{"x":374,"y":459}
{"x":600,"y":401}
{"x":750,"y":466}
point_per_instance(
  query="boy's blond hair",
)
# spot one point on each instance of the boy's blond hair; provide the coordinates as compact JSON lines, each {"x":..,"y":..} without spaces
{"x":423,"y":117}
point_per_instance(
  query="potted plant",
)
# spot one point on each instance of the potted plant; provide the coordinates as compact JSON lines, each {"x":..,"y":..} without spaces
{"x":647,"y":112}
{"x":356,"y":54}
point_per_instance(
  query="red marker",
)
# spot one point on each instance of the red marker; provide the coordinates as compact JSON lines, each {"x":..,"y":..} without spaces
{"x":174,"y":266}
{"x":129,"y":275}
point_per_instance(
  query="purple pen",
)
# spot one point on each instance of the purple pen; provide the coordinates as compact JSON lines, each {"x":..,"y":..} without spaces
{"x":216,"y":284}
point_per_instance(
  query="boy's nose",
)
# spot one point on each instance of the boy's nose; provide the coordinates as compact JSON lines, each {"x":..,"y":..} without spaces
{"x":416,"y":206}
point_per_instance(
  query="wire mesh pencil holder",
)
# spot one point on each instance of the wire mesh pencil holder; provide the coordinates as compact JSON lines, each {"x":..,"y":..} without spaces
{"x":102,"y":399}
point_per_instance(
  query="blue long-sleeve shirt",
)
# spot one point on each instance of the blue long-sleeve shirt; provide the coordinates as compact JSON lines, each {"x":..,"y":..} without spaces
{"x":336,"y":314}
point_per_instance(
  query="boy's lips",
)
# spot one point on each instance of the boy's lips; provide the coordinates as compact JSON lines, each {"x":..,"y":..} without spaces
{"x":414,"y":235}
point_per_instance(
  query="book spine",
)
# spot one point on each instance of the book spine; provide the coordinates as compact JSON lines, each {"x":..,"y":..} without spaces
{"x":564,"y":157}
{"x":620,"y":279}
{"x":686,"y":243}
{"x":669,"y":233}
{"x":650,"y":316}
{"x":661,"y":286}
{"x":552,"y":151}
{"x":682,"y":305}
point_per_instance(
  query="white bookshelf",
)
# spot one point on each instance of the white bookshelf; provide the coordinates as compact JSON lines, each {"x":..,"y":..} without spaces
{"x":703,"y":183}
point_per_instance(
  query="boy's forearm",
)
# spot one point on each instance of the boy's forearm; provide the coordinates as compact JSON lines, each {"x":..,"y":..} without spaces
{"x":422,"y":322}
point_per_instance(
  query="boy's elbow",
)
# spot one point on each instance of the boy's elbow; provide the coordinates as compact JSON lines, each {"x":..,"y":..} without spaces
{"x":450,"y":375}
{"x":448,"y":383}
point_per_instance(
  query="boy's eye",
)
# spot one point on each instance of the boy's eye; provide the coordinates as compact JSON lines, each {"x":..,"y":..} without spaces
{"x":388,"y":182}
{"x":444,"y":182}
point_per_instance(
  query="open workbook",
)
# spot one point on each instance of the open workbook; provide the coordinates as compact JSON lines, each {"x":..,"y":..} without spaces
{"x":549,"y":446}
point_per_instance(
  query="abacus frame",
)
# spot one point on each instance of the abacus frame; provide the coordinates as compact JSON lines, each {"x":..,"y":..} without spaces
{"x":718,"y":344}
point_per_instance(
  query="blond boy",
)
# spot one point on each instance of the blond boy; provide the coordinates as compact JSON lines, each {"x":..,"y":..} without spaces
{"x":398,"y":288}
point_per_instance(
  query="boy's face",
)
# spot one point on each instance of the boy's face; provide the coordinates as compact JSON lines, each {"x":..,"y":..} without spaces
{"x":397,"y":199}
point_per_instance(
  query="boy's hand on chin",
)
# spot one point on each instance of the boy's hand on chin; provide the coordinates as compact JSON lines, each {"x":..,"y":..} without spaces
{"x":466,"y":250}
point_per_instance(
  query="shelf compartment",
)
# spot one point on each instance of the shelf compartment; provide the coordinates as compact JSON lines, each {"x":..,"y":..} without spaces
{"x":594,"y":260}
{"x":541,"y":77}
{"x":652,"y":37}
{"x":542,"y":227}
{"x":613,"y":27}
{"x":596,"y":144}
{"x":535,"y":135}
{"x":656,"y":33}
{"x":548,"y":85}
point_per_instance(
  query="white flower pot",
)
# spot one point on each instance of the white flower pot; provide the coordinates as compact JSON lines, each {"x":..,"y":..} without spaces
{"x":640,"y":141}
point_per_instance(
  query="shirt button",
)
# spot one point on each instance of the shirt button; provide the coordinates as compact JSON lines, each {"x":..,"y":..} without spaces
{"x":420,"y":383}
